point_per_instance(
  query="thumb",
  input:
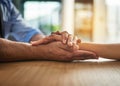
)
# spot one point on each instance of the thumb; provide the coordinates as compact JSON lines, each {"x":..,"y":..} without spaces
{"x":82,"y":55}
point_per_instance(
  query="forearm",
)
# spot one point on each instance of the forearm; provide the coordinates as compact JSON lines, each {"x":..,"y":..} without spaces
{"x":10,"y":51}
{"x":110,"y":51}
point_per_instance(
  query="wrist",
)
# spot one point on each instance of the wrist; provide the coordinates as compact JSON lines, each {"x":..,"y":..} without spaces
{"x":39,"y":52}
{"x":85,"y":46}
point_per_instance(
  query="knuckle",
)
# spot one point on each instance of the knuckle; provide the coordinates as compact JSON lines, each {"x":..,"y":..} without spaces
{"x":57,"y":32}
{"x":70,"y":35}
{"x":78,"y":41}
{"x":64,"y":32}
{"x":53,"y":33}
{"x":52,"y":36}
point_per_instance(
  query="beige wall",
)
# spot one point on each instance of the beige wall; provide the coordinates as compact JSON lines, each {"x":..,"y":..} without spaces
{"x":99,"y":21}
{"x":68,"y":16}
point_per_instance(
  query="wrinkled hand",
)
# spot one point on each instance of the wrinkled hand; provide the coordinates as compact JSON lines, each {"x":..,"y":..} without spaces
{"x":71,"y":43}
{"x":60,"y":52}
{"x":64,"y":37}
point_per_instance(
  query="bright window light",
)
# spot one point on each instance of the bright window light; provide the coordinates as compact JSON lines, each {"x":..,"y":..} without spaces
{"x":113,"y":2}
{"x":44,"y":15}
{"x":35,"y":9}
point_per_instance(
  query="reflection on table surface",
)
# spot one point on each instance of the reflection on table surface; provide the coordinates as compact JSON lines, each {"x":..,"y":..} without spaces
{"x":52,"y":73}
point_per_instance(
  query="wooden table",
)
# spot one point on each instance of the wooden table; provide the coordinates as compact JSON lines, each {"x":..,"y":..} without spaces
{"x":51,"y":73}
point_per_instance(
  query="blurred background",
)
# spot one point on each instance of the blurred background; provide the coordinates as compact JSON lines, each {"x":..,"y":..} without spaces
{"x":90,"y":20}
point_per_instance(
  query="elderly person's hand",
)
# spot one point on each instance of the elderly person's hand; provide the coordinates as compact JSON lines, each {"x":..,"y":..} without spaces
{"x":64,"y":37}
{"x":68,"y":40}
{"x":59,"y":52}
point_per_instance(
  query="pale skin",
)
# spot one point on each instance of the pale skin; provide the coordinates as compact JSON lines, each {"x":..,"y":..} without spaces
{"x":109,"y":51}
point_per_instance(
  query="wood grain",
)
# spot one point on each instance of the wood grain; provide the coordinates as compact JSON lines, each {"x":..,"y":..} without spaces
{"x":51,"y":73}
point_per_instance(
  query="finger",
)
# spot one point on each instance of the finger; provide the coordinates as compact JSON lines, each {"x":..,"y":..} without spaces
{"x":38,"y":42}
{"x":78,"y":41}
{"x":55,"y":37}
{"x":78,"y":58}
{"x":48,"y":39}
{"x":57,"y":33}
{"x":35,"y":43}
{"x":65,"y":35}
{"x":70,"y":40}
{"x":75,"y":40}
{"x":75,"y":47}
{"x":81,"y":54}
{"x":75,"y":44}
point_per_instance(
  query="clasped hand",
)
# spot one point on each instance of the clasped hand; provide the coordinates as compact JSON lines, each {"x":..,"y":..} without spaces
{"x":63,"y":46}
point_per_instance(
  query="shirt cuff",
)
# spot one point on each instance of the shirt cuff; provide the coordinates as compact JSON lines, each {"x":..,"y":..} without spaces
{"x":30,"y":35}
